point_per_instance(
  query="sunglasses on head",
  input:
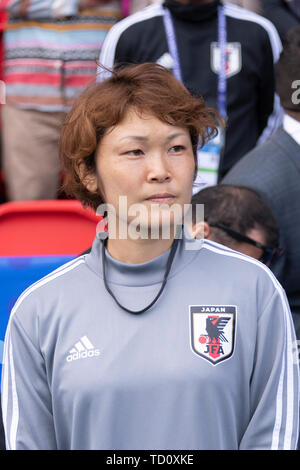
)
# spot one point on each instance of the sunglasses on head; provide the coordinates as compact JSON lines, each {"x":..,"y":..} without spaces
{"x":269,"y":253}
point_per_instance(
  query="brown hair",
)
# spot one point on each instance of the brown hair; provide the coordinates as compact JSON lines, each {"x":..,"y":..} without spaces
{"x":147,"y":88}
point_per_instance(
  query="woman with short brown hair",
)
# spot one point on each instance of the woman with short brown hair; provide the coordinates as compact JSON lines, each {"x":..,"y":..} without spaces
{"x":147,"y":89}
{"x":154,"y":340}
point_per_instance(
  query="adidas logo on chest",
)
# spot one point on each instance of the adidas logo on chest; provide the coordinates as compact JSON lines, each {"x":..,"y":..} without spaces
{"x":82,"y":349}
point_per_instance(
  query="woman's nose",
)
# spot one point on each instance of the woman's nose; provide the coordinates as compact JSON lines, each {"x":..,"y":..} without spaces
{"x":158,"y":169}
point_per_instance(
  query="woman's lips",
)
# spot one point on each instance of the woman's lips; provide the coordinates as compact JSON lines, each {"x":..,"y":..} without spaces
{"x":161,"y":199}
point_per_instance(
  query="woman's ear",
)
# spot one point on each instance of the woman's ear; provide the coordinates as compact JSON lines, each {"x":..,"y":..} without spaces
{"x":201,"y":230}
{"x":89,"y":180}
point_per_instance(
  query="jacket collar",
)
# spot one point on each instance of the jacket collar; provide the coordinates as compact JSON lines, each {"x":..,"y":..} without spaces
{"x":144,"y":274}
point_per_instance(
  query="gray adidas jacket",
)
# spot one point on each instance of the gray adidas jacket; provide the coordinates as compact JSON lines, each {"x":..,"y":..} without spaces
{"x":212,"y":365}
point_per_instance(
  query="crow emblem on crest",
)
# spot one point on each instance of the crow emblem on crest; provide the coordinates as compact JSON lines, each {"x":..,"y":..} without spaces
{"x":215,"y":327}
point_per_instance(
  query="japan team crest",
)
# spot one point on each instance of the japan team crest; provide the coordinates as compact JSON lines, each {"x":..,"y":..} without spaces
{"x":213,"y":331}
{"x":233,"y":58}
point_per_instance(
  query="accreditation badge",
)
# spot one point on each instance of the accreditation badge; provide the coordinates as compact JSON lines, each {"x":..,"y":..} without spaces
{"x":213,"y":331}
{"x":208,"y":162}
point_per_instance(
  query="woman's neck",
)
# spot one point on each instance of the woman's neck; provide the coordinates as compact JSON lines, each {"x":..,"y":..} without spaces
{"x":137,"y":251}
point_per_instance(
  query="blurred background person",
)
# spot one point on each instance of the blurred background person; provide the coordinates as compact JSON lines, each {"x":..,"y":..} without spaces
{"x":238,"y":218}
{"x":222,"y":52}
{"x":50,"y":56}
{"x":284,"y":14}
{"x":273,"y":170}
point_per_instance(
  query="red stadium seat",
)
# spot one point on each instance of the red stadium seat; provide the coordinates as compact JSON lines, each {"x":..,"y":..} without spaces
{"x":48,"y":227}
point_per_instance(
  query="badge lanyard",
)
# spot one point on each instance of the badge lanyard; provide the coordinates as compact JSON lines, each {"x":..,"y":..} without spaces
{"x":209,"y":156}
{"x":163,"y":285}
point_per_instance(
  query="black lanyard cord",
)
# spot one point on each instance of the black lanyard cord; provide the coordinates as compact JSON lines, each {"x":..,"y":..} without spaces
{"x":168,"y":267}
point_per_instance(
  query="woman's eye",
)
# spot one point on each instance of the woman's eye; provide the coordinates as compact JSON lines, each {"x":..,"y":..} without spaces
{"x":134,"y":153}
{"x":177,"y":148}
